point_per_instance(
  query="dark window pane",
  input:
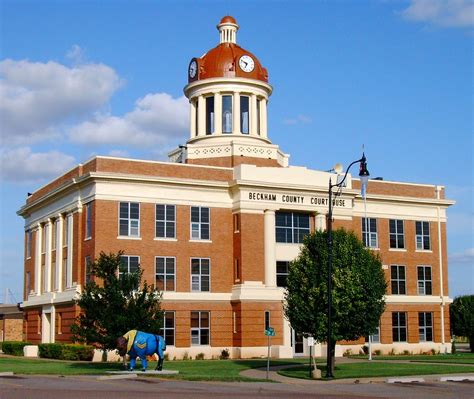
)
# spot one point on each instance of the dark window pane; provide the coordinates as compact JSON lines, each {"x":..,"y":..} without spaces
{"x":170,"y":283}
{"x":160,"y":229}
{"x":170,"y":212}
{"x":400,"y":226}
{"x":393,"y":242}
{"x":204,"y":337}
{"x":124,"y":227}
{"x":426,"y":242}
{"x":428,"y":290}
{"x":134,"y":211}
{"x":160,"y":285}
{"x":204,"y":319}
{"x":169,"y":337}
{"x":205,"y":215}
{"x":160,"y":212}
{"x":170,"y":230}
{"x":205,"y":283}
{"x":195,"y":214}
{"x":392,"y":226}
{"x":124,"y":210}
{"x":204,"y":232}
{"x":194,"y":319}
{"x":401,"y":242}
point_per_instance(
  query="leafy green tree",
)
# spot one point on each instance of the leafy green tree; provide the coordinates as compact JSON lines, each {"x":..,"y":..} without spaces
{"x":462,"y":318}
{"x":111,"y":306}
{"x":358,"y":292}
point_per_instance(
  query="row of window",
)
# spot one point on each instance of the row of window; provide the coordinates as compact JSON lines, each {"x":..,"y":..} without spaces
{"x":396,"y":233}
{"x":200,"y":327}
{"x":398,"y":280}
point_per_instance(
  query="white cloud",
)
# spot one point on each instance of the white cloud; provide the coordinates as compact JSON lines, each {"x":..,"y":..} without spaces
{"x":156,"y":119}
{"x":36,"y":97}
{"x":444,"y":13}
{"x":119,"y":153}
{"x":303,"y":119}
{"x":467,"y":256}
{"x":21,"y":165}
{"x":76,"y":54}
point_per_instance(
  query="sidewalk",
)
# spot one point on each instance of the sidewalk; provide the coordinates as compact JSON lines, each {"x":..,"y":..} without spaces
{"x":261,"y":373}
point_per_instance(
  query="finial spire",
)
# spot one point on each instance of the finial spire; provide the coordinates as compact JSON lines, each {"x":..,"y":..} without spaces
{"x":228,"y":30}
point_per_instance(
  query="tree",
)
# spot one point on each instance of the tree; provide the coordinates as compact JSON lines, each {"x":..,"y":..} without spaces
{"x":358,"y":292}
{"x":116,"y":305}
{"x":462,"y":318}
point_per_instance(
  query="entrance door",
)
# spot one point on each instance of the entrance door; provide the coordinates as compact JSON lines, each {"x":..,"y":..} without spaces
{"x":297,"y":343}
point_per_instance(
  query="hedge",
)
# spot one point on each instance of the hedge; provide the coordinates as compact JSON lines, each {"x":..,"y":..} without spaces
{"x":14,"y":348}
{"x":66,"y":351}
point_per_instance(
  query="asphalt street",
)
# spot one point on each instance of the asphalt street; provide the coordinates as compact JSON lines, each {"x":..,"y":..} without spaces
{"x":90,"y":387}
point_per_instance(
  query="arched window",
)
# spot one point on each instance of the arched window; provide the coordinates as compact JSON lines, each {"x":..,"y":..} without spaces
{"x":226,"y":114}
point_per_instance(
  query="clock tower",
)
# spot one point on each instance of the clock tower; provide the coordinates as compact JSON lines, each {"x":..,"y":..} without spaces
{"x":228,"y":93}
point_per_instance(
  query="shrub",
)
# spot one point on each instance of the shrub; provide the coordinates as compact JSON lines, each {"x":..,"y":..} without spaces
{"x":166,"y":357}
{"x":378,"y":352}
{"x":225,"y":354}
{"x":14,"y":348}
{"x":347,"y":352}
{"x":50,"y":351}
{"x":406,"y":352}
{"x":453,"y":347}
{"x":200,"y":356}
{"x":393,"y":352}
{"x":186,"y":356}
{"x":66,"y":351}
{"x":365,"y":348}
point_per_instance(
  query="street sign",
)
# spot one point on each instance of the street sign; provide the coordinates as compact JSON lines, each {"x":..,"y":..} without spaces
{"x":270,"y":332}
{"x":311,"y":341}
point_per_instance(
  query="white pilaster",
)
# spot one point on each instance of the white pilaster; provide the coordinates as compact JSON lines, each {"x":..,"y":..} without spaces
{"x":269,"y":248}
{"x":263,"y":118}
{"x":201,"y":122}
{"x":217,"y":113}
{"x":192,"y":118}
{"x":59,"y":253}
{"x":39,"y":237}
{"x":253,"y":115}
{"x":320,"y":224}
{"x":47,"y":256}
{"x":69,"y":250}
{"x":236,"y":113}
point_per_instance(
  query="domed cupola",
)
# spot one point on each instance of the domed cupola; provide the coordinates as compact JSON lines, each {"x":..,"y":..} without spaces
{"x":228,"y":93}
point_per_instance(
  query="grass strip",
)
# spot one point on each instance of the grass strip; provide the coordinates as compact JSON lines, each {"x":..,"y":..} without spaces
{"x":464,"y":358}
{"x":379,"y":369}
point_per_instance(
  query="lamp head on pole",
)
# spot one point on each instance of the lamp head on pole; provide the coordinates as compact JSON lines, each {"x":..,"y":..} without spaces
{"x":363,"y":174}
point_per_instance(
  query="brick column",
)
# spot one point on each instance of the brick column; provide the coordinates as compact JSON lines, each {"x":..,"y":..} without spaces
{"x":269,"y":248}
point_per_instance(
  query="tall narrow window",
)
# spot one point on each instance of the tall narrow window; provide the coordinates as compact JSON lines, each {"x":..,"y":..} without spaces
{"x":399,"y":326}
{"x":210,"y":115}
{"x":28,"y":243}
{"x":167,"y":332}
{"x":43,"y":238}
{"x":87,"y":268}
{"x":424,"y":280}
{"x":397,"y":280}
{"x":54,"y":226}
{"x":28,"y":283}
{"x":226,"y":114}
{"x":425,"y":325}
{"x":165,"y":221}
{"x":129,"y":219}
{"x":59,"y":322}
{"x":397,"y":237}
{"x":200,"y":328}
{"x":267,"y":320}
{"x":423,"y":236}
{"x":129,"y":264}
{"x":237,"y":269}
{"x":369,"y":232}
{"x":88,"y":220}
{"x":165,"y":273}
{"x":244,"y":114}
{"x":65,"y":231}
{"x":281,"y":273}
{"x":200,"y":223}
{"x":200,"y":274}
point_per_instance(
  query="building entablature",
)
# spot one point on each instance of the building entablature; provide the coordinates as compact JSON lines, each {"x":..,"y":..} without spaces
{"x":52,"y":298}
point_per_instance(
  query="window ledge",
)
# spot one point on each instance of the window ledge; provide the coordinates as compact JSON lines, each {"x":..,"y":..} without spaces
{"x":128,"y":238}
{"x":373,"y":248}
{"x":203,"y":241}
{"x":87,"y":238}
{"x":165,"y":239}
{"x":397,"y":249}
{"x":428,"y":251}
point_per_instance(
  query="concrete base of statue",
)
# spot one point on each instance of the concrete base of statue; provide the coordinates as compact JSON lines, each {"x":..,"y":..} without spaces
{"x":139,"y":371}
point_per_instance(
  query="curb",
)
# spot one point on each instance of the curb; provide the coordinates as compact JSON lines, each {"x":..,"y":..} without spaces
{"x":118,"y":377}
{"x":6,"y":373}
{"x":457,"y":378}
{"x":407,"y":380}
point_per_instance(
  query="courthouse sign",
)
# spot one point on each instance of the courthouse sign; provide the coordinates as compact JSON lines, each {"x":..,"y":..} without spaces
{"x":299,"y":199}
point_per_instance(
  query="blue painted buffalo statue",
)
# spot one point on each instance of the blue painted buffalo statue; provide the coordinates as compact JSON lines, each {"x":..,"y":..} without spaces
{"x":140,"y":344}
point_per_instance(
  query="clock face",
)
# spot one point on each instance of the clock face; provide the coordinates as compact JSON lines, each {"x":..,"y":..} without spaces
{"x":246,"y":63}
{"x":193,"y":69}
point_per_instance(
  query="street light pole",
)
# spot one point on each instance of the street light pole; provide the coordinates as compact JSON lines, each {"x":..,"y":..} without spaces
{"x":364,"y":177}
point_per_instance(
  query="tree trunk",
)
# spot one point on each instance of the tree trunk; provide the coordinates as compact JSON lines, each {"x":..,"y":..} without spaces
{"x":104,"y":355}
{"x":471,"y":343}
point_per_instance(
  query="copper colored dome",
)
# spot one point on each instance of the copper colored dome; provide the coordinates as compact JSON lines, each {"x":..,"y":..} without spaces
{"x":228,"y":19}
{"x":223,"y":62}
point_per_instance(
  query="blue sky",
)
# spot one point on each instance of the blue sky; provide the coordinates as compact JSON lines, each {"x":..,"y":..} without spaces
{"x":106,"y":77}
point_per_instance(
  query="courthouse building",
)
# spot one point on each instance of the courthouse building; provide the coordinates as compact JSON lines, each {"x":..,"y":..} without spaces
{"x":215,"y":227}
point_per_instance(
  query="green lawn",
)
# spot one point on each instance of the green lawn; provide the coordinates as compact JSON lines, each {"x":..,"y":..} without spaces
{"x":215,"y":370}
{"x":379,"y":369}
{"x":459,"y":358}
